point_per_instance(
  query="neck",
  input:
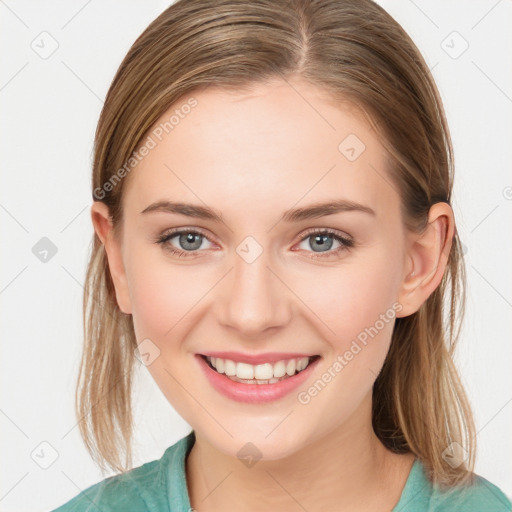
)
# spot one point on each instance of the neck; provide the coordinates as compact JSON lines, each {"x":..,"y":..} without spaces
{"x":347,"y":469}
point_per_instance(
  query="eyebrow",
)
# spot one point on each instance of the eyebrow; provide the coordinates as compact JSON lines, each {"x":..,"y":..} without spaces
{"x":313,"y":211}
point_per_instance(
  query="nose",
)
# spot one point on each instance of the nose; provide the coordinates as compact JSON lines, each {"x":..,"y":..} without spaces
{"x":254,"y":298}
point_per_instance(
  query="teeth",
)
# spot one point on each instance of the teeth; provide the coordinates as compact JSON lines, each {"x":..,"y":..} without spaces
{"x":243,"y":370}
{"x":260,"y":373}
{"x":220,"y":365}
{"x":229,"y":366}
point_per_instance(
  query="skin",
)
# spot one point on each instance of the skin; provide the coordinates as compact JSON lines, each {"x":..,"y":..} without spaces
{"x":273,"y":147}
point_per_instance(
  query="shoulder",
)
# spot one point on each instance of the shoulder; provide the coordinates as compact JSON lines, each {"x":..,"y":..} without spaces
{"x":481,"y":495}
{"x":421,"y":495}
{"x":119,"y":492}
{"x":142,"y":488}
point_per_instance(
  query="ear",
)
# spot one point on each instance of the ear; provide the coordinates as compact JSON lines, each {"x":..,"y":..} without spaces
{"x":428,"y":255}
{"x":102,"y":223}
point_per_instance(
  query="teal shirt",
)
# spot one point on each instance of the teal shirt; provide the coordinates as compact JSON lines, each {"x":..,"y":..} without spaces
{"x":161,"y":486}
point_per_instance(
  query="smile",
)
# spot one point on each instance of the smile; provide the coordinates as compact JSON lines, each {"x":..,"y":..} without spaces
{"x":257,"y":383}
{"x":266,"y":373}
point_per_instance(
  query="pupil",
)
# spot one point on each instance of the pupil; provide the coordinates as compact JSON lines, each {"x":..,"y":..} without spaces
{"x":321,"y":241}
{"x":188,"y":238}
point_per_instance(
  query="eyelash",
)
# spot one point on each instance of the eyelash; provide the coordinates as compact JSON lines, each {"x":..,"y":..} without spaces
{"x":346,"y":243}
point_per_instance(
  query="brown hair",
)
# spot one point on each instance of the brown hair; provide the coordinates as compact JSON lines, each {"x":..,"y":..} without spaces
{"x":356,"y":52}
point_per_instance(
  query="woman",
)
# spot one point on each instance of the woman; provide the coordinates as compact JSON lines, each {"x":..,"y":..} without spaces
{"x":274,"y":241}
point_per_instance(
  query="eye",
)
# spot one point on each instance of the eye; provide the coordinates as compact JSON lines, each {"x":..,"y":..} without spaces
{"x":321,"y":242}
{"x":189,"y":241}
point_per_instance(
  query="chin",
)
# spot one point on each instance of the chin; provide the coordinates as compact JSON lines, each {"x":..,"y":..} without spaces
{"x":255,"y":444}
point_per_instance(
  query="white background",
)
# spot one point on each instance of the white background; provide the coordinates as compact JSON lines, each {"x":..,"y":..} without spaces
{"x":50,"y":108}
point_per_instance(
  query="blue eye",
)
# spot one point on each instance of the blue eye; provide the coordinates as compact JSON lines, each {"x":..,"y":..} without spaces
{"x":191,"y":241}
{"x":321,"y":239}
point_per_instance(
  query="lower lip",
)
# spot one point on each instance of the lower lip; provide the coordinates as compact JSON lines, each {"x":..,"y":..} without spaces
{"x":254,"y":393}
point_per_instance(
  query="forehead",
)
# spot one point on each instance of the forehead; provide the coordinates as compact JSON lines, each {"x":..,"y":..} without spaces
{"x":276,"y":145}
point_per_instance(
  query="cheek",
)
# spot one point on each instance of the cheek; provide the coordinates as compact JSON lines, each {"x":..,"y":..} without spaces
{"x":161,"y":293}
{"x":348,"y":299}
{"x":355,"y":309}
{"x":163,"y":298}
{"x":357,"y":312}
{"x":360,"y":307}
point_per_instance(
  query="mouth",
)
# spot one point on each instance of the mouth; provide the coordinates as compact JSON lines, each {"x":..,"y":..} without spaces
{"x":260,"y":374}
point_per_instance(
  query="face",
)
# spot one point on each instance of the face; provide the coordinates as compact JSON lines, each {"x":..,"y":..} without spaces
{"x":271,"y":279}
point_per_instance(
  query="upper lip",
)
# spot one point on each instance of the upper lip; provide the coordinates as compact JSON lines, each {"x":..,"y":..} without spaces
{"x":268,"y":357}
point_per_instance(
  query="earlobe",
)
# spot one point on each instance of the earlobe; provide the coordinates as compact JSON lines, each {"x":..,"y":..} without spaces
{"x":103,"y":226}
{"x":428,"y":255}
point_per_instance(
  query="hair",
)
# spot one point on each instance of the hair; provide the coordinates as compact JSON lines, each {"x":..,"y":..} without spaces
{"x":356,"y":52}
